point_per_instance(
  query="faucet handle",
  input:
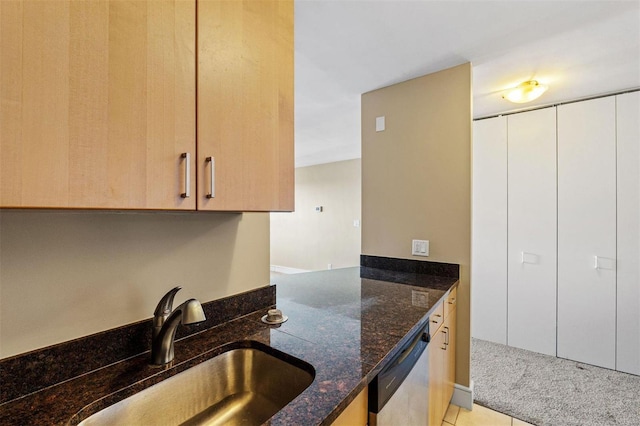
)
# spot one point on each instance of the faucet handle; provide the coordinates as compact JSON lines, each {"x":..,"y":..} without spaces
{"x":165,"y":305}
{"x":192,"y":312}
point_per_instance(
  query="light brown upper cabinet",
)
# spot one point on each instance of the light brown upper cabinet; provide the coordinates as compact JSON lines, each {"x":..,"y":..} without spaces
{"x":97,"y":104}
{"x":245,"y":105}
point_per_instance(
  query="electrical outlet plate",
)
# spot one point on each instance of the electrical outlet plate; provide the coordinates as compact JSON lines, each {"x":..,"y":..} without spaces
{"x":420,"y":248}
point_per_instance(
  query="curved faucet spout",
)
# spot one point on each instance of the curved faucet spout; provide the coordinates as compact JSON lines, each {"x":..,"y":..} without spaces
{"x":189,"y":312}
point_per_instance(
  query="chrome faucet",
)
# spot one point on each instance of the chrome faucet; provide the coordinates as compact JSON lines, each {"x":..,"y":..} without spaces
{"x":165,"y":324}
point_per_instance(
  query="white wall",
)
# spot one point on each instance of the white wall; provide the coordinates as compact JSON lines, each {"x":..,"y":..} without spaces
{"x":310,"y":240}
{"x":68,"y":274}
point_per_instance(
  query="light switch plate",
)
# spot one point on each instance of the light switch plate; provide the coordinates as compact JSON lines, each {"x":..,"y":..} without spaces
{"x":420,"y":248}
{"x":380,"y":124}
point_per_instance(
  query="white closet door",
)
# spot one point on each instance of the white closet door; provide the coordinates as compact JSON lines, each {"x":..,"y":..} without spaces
{"x":587,"y":232}
{"x":532,"y":228}
{"x":489,"y":230}
{"x":628,"y":143}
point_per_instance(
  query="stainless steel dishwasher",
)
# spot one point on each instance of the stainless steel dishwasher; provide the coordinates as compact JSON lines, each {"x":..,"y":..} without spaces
{"x":399,"y":395}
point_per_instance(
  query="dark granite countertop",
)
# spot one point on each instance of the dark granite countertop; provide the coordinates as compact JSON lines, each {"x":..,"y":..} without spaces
{"x":346,"y":323}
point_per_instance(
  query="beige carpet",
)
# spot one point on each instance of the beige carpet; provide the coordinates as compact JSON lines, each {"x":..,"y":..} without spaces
{"x":545,"y":390}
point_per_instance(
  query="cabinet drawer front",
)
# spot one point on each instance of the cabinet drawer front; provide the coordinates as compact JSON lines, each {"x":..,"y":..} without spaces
{"x":450,"y":302}
{"x":436,"y":319}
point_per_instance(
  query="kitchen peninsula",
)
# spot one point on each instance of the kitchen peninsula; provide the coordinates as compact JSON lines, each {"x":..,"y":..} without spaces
{"x":347,"y":323}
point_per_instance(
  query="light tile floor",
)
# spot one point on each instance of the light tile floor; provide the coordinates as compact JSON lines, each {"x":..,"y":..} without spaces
{"x":479,"y":416}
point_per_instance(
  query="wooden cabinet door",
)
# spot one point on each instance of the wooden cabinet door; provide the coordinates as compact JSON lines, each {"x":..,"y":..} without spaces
{"x":97,"y":103}
{"x":489,"y":235}
{"x":628,"y":240}
{"x":450,"y":359}
{"x":245,"y":105}
{"x":532,"y":215}
{"x":587,"y":232}
{"x":442,"y":361}
{"x":356,"y":413}
{"x":437,"y":353}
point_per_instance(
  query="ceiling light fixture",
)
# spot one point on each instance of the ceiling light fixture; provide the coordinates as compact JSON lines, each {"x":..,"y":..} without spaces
{"x":525,"y":92}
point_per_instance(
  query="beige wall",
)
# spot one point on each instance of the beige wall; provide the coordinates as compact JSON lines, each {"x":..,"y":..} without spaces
{"x":309,"y":240}
{"x":416,"y":180}
{"x":66,"y":274}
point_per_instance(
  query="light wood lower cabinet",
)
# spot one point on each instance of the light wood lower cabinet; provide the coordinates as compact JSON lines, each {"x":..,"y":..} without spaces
{"x":442,"y":363}
{"x":450,"y":359}
{"x":356,"y":413}
{"x":437,"y":350}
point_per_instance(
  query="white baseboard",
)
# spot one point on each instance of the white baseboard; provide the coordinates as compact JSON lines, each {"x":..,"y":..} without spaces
{"x":463,"y":396}
{"x":286,"y":269}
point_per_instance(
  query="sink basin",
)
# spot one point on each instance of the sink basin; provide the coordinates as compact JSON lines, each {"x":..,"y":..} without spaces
{"x":242,"y":386}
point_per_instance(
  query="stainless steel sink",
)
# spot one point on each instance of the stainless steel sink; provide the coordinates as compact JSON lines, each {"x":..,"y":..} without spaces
{"x":243,"y":386}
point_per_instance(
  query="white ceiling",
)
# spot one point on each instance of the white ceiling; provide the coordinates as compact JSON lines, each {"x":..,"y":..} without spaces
{"x":344,"y":48}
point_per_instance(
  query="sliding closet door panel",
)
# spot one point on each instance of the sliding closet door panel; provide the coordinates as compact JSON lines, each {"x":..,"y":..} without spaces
{"x":532,"y":214}
{"x":489,"y":230}
{"x":587,"y":232}
{"x":628,"y":143}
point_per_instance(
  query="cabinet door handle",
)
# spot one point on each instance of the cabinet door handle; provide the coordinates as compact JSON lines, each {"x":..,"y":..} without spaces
{"x":452,"y":301}
{"x":446,"y":333}
{"x":187,"y":175}
{"x":530,"y":258}
{"x":604,"y":263}
{"x":212,"y":174}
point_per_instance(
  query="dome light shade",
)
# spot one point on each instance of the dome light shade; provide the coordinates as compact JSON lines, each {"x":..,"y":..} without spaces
{"x":525,"y":92}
